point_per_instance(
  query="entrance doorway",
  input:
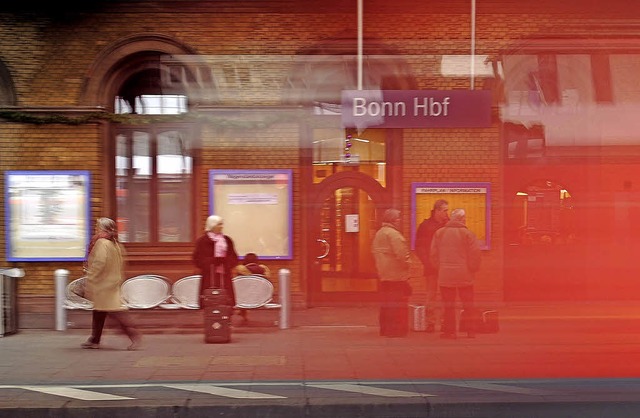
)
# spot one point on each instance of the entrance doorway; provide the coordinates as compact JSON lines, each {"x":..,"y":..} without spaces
{"x":346,"y":208}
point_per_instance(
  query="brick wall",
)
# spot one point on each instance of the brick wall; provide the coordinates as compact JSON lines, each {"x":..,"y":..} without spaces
{"x":49,"y":147}
{"x":49,"y":59}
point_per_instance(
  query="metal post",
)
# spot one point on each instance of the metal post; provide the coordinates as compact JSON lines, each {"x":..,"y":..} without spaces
{"x":360,"y":43}
{"x":61,"y":278}
{"x":472,"y":70}
{"x":284,"y":283}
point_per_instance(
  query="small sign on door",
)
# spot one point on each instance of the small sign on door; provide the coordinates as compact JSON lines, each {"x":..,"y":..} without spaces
{"x":352,"y":223}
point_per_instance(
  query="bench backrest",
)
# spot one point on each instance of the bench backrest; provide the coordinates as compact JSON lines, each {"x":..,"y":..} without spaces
{"x":74,"y":294}
{"x":186,"y":292}
{"x":145,"y":291}
{"x":252,"y":291}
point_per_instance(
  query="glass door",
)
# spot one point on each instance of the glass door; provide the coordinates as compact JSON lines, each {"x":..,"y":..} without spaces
{"x":346,"y":229}
{"x":345,"y":217}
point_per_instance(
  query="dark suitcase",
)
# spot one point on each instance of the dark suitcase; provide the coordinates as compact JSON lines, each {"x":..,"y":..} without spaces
{"x":216,"y":304}
{"x":215,"y":297}
{"x":489,"y":322}
{"x":217,"y":324}
{"x":483,"y":322}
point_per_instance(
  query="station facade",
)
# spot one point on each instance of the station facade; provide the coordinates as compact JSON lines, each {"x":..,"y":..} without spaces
{"x":293,"y":120}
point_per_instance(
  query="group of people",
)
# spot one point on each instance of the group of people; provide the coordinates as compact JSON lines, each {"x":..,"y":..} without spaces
{"x":214,"y":255}
{"x":450,"y":255}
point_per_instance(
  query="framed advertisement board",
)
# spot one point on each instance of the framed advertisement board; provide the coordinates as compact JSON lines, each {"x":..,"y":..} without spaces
{"x":256,"y":206}
{"x":47,"y":215}
{"x":474,"y":198}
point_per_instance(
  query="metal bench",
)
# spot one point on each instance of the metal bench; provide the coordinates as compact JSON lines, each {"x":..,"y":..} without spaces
{"x":150,"y":291}
{"x":252,"y":292}
{"x":145,"y":291}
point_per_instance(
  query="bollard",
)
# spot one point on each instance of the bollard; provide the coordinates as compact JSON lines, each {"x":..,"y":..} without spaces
{"x":61,"y":277}
{"x":284,"y":283}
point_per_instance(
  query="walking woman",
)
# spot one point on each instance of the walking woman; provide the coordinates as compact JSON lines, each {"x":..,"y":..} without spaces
{"x":105,"y":274}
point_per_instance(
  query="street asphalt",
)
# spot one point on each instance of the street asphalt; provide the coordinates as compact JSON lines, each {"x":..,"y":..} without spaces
{"x":547,"y":360}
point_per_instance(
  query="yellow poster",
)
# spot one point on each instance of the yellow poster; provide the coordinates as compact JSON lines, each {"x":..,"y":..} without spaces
{"x":256,"y":208}
{"x":474,"y":198}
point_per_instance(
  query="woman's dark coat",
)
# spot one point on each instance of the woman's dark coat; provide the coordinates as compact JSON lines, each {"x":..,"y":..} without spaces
{"x":203,"y":258}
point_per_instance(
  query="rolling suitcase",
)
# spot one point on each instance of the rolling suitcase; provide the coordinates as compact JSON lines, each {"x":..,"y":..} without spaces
{"x":217,"y":314}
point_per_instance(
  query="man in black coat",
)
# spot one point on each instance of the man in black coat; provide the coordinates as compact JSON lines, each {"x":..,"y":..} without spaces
{"x":424,"y":236}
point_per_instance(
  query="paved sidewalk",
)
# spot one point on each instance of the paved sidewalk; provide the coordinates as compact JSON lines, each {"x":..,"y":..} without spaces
{"x":595,"y":343}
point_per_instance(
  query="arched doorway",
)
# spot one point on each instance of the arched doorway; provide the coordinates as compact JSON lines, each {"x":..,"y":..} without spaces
{"x":345,"y":208}
{"x":348,"y":175}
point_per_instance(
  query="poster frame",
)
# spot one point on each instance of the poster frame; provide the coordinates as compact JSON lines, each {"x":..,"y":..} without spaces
{"x":288,"y":255}
{"x":484,"y":245}
{"x":85,"y":175}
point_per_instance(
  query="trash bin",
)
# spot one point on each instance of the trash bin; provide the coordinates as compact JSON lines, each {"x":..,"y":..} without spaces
{"x":9,"y":300}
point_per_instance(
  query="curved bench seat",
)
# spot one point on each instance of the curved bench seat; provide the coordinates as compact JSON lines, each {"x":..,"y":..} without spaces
{"x":150,"y":291}
{"x":145,"y":291}
{"x":252,"y":292}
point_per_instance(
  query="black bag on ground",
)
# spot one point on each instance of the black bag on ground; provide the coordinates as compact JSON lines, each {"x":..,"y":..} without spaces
{"x":489,"y":322}
{"x":216,"y":303}
{"x":482,"y":322}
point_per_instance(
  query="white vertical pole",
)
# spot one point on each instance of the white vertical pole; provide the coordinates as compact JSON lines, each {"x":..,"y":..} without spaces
{"x":61,"y":276}
{"x":473,"y":44}
{"x":360,"y":44}
{"x":284,"y":290}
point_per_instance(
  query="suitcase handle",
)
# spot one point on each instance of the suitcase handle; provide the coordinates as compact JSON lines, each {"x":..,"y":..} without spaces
{"x":212,"y":274}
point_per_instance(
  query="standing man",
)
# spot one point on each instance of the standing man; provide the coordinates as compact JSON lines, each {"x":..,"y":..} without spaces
{"x":392,"y":255}
{"x":424,"y":236}
{"x":456,"y":254}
